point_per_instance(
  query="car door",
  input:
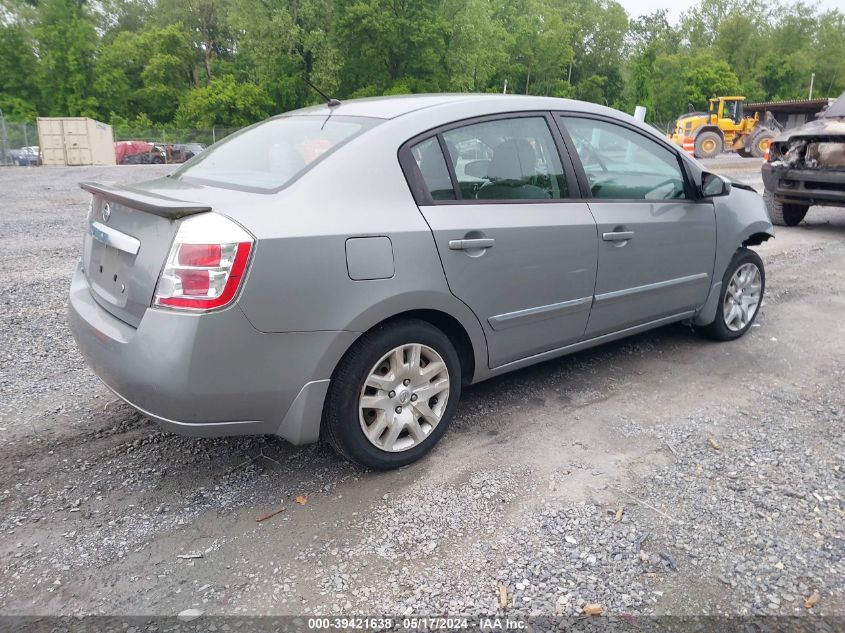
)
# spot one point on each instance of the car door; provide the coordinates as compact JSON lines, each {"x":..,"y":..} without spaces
{"x":516,"y":246}
{"x":657,"y":244}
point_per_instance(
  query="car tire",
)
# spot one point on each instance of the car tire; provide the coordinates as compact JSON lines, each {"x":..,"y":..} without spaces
{"x":783,"y":214}
{"x":759,"y":142}
{"x":384,"y":357}
{"x":708,"y":145}
{"x":746,"y":295}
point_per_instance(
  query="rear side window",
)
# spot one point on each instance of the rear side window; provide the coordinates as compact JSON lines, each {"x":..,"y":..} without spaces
{"x":267,"y":156}
{"x":433,"y":169}
{"x":507,"y":159}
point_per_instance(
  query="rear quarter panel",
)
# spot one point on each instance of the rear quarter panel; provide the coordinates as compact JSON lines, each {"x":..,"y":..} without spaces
{"x":299,"y":278}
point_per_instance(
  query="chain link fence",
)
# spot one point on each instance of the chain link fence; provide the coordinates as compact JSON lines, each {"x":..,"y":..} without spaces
{"x":173,"y":135}
{"x":19,"y":144}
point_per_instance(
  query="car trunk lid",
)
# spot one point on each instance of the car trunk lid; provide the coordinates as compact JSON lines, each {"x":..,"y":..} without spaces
{"x":129,"y":234}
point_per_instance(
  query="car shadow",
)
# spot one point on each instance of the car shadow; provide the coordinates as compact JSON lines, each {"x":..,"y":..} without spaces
{"x":128,"y":463}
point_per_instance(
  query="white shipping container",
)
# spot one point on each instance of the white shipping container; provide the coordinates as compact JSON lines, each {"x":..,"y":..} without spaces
{"x":75,"y":141}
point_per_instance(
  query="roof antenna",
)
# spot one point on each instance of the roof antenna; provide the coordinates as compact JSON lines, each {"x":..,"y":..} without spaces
{"x":331,"y":102}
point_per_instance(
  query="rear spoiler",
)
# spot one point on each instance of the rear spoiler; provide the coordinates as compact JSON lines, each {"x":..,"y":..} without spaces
{"x":169,"y":208}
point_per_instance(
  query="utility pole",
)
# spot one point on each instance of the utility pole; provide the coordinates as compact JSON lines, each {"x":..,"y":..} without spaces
{"x":4,"y":140}
{"x":812,"y":81}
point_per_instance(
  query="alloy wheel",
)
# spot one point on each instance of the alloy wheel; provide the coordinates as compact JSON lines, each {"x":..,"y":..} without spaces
{"x":404,"y":397}
{"x":742,"y":298}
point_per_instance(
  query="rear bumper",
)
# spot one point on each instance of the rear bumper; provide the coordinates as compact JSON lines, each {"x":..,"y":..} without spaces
{"x":805,"y":186}
{"x":212,"y":374}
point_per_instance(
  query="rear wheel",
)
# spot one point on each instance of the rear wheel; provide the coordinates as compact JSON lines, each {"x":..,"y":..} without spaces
{"x":742,"y":291}
{"x":708,"y":145}
{"x":760,"y":141}
{"x":393,"y":395}
{"x":782,"y":213}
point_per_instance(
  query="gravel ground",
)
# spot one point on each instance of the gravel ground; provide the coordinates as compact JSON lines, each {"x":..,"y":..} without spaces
{"x":659,"y":475}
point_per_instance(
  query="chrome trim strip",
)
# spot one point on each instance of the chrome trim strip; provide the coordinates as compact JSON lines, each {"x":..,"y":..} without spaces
{"x":598,"y":340}
{"x":115,"y":239}
{"x":540,"y":313}
{"x":656,"y":287}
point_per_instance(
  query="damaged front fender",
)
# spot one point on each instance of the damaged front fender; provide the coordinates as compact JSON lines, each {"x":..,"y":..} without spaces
{"x":741,"y":220}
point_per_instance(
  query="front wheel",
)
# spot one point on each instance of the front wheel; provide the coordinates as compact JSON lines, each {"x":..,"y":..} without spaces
{"x":393,"y":395}
{"x":759,"y":142}
{"x":783,"y":214}
{"x":708,"y":145}
{"x":742,"y":291}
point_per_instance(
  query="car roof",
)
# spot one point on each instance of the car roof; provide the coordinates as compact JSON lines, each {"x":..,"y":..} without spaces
{"x":396,"y":106}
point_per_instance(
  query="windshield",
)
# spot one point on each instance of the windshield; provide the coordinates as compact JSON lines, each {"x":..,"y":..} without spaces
{"x":269,"y":155}
{"x":836,"y":109}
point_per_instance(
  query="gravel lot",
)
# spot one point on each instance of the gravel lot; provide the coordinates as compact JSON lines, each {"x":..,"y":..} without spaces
{"x":663,"y":474}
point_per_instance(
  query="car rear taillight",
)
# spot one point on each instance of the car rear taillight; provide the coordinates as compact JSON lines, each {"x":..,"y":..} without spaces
{"x":206,"y":264}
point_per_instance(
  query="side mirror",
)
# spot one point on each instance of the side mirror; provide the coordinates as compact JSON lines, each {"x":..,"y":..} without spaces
{"x":713,"y":185}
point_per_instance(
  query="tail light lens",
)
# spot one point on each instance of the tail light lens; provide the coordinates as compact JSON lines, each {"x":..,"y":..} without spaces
{"x":206,"y":264}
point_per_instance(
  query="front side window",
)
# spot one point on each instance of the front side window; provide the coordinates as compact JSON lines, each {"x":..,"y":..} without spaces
{"x":506,"y":159}
{"x":623,"y":165}
{"x":269,"y":155}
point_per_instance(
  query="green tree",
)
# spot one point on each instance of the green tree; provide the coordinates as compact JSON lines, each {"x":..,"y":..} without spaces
{"x":474,"y":44}
{"x":383,"y":42}
{"x":741,"y":42}
{"x":705,"y":77}
{"x":280,"y":41}
{"x":649,"y":37}
{"x":66,"y":38}
{"x":224,"y":102}
{"x":208,"y":23}
{"x":145,"y":72}
{"x":830,"y":54}
{"x":18,"y":65}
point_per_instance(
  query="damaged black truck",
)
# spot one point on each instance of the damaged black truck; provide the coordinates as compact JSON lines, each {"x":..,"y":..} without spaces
{"x":806,"y":167}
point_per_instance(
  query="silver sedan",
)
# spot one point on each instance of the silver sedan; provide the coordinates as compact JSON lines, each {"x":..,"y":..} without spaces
{"x":342,"y":271}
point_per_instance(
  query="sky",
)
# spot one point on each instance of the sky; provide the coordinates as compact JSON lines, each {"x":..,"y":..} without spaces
{"x":636,"y":8}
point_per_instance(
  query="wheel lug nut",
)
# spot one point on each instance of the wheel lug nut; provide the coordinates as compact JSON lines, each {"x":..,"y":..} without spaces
{"x":413,"y":397}
{"x":392,"y":394}
{"x":406,"y":382}
{"x":398,"y":409}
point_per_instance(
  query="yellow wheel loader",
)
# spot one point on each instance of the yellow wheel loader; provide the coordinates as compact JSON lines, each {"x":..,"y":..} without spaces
{"x":725,"y":128}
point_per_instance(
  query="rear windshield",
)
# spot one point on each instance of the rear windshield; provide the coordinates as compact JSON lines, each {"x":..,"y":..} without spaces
{"x":836,"y":109}
{"x":267,"y":156}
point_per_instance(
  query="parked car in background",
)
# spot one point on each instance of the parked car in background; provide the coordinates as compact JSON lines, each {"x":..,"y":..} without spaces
{"x":180,"y":152}
{"x":342,"y":271}
{"x":806,"y":167}
{"x":25,"y":156}
{"x":139,"y":153}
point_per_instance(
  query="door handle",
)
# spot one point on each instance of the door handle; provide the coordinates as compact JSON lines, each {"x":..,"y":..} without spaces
{"x":617,"y":236}
{"x":479,"y":242}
